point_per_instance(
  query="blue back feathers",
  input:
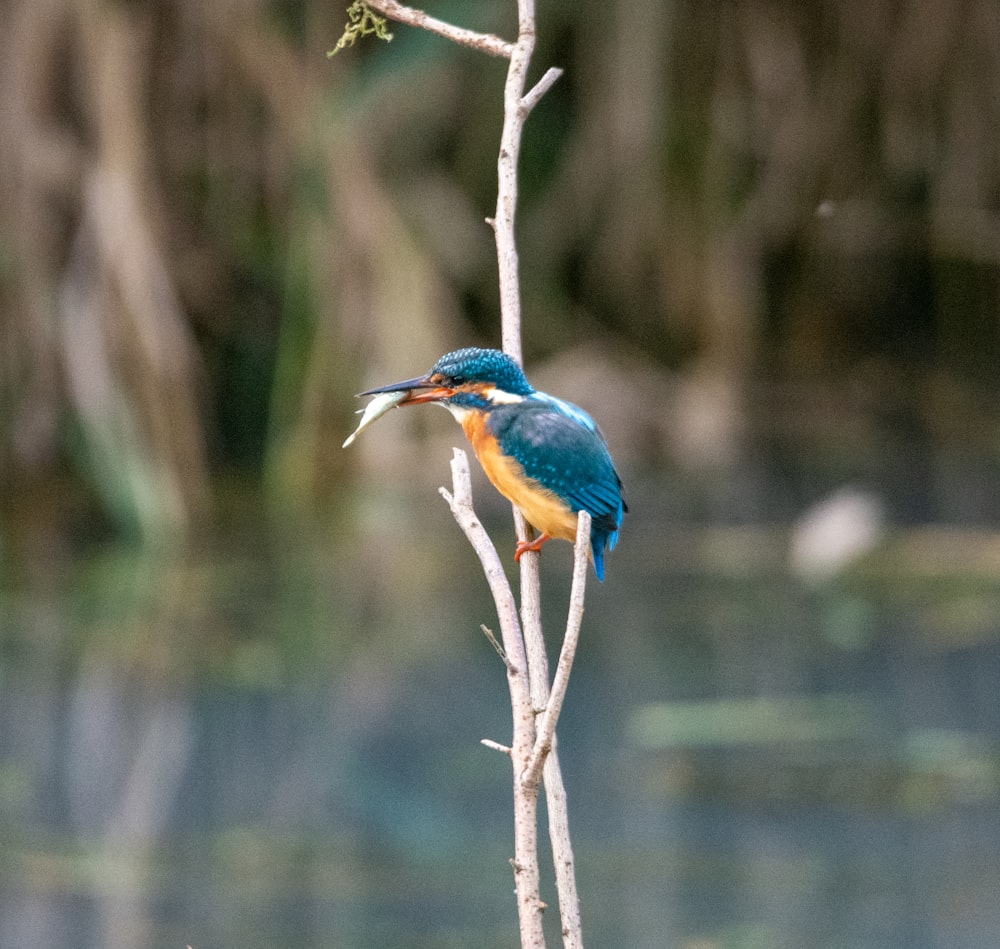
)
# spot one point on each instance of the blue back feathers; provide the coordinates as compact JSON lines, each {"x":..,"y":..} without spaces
{"x":568,"y":458}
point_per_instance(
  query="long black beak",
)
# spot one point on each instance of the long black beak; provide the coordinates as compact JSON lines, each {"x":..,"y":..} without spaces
{"x":421,"y":382}
{"x":418,"y":391}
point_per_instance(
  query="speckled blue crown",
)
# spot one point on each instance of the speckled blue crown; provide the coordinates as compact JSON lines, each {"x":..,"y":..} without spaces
{"x":483,"y":365}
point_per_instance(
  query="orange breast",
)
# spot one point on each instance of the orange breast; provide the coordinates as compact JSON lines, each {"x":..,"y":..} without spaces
{"x":545,"y":511}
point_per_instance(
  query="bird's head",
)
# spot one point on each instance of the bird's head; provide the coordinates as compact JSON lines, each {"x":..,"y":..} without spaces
{"x":467,"y":379}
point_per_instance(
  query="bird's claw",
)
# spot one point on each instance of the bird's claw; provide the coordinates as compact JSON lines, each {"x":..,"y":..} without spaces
{"x":523,"y":546}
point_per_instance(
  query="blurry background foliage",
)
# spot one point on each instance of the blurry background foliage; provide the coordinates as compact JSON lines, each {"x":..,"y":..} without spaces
{"x":745,"y":228}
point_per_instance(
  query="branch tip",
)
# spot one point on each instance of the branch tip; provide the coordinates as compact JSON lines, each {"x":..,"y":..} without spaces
{"x":496,"y":645}
{"x":495,"y":745}
{"x":531,"y":98}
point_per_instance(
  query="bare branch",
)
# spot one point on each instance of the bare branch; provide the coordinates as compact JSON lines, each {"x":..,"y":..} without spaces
{"x":547,"y":724}
{"x":461,"y":508}
{"x":510,"y":147}
{"x":524,"y":645}
{"x":517,"y":106}
{"x":531,"y":621}
{"x":543,"y":85}
{"x":555,"y":792}
{"x":488,"y":633}
{"x":484,"y":42}
{"x":525,"y":862}
{"x":495,"y":745}
{"x":562,"y":850}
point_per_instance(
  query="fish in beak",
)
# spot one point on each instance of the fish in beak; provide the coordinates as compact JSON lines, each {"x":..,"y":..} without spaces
{"x":410,"y":392}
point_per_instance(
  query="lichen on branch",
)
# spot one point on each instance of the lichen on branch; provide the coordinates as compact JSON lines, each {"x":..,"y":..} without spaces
{"x":362,"y":20}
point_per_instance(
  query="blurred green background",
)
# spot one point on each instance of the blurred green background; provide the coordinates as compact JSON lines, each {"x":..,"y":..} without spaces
{"x":241,"y":679}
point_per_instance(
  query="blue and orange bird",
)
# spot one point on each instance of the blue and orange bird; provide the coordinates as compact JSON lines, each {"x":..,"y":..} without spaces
{"x":543,"y":454}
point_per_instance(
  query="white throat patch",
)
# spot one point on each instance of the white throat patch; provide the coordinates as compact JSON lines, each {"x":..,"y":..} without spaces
{"x":458,"y":411}
{"x":499,"y":397}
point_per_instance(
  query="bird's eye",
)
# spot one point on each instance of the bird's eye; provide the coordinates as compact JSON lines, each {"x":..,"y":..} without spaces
{"x":457,"y":380}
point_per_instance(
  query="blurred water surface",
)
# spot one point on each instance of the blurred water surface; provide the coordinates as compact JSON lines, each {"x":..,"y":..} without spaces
{"x":271,"y":739}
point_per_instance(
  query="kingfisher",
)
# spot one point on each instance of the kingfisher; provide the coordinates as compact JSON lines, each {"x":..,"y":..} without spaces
{"x":545,"y":455}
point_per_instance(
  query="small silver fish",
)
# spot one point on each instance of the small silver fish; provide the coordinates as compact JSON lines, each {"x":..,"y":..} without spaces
{"x":375,"y":410}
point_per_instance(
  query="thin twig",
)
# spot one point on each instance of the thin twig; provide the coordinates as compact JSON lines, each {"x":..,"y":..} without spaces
{"x":530,"y":100}
{"x":514,"y":115}
{"x":555,"y":791}
{"x":546,"y":728}
{"x":562,"y":850}
{"x":484,"y":42}
{"x":495,"y":745}
{"x":531,"y":621}
{"x":489,"y":634}
{"x":460,"y":503}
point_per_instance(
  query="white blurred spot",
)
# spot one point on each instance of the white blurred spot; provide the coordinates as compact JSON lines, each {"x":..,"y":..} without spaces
{"x":834,"y":533}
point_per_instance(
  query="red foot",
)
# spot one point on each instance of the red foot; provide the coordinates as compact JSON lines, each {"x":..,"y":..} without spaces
{"x":523,"y":546}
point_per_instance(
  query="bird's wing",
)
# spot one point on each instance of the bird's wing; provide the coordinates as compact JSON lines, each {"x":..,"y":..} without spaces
{"x":564,"y":455}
